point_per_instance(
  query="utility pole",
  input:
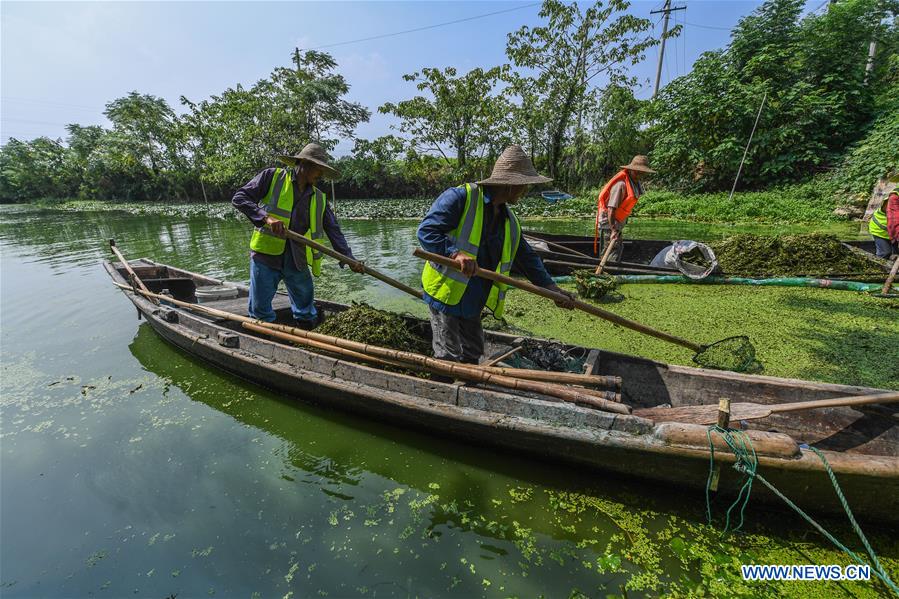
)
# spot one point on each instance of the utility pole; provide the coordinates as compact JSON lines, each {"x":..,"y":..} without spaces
{"x":667,"y":10}
{"x":872,"y":52}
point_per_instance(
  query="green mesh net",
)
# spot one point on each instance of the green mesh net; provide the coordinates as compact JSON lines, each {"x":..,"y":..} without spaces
{"x":734,"y":353}
{"x":551,"y":356}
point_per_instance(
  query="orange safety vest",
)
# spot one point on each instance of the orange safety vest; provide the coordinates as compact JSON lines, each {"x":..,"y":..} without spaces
{"x":622,"y":211}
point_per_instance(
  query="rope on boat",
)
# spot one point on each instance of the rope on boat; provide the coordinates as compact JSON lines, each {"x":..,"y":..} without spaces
{"x":747,"y":463}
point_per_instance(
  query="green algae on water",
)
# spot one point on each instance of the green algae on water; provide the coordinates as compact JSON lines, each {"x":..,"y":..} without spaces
{"x":813,"y":255}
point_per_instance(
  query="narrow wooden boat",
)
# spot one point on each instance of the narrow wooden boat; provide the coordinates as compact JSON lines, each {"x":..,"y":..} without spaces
{"x":861,"y":444}
{"x":555,"y":196}
{"x":638,"y":253}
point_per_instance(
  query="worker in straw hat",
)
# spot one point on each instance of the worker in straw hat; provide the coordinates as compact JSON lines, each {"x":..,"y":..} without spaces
{"x":884,"y":224}
{"x":474,"y":225}
{"x":279,"y":199}
{"x":615,"y":203}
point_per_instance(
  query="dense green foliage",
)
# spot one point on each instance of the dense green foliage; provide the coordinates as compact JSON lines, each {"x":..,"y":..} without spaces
{"x":819,"y":97}
{"x":566,"y":95}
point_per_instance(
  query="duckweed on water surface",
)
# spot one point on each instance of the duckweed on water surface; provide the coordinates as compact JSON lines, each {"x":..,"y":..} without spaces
{"x":815,"y":334}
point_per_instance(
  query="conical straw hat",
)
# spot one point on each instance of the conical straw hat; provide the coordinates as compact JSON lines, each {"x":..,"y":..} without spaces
{"x":513,"y":167}
{"x":312,"y":153}
{"x":639,"y":163}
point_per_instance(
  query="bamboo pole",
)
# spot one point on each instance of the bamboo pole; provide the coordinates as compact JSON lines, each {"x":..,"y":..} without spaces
{"x":560,"y":247}
{"x":889,"y":282}
{"x":135,"y":280}
{"x":558,"y":297}
{"x":459,"y":371}
{"x":499,"y":359}
{"x":605,"y":256}
{"x":352,"y":262}
{"x":568,"y":378}
{"x":606,"y":401}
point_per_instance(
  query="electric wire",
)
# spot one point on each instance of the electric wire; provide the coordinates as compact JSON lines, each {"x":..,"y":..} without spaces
{"x":425,"y":28}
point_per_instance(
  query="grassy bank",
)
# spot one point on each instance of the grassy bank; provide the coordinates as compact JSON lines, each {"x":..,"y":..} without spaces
{"x":805,"y":203}
{"x":815,"y":334}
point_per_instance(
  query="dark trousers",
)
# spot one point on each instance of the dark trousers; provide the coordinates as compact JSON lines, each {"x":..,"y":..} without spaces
{"x":605,"y":235}
{"x":457,"y":339}
{"x":884,"y":247}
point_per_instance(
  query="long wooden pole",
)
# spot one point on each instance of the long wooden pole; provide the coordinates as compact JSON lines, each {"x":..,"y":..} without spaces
{"x":135,"y":280}
{"x":559,"y":247}
{"x":605,"y":256}
{"x":558,"y":297}
{"x":352,"y":262}
{"x":607,"y":401}
{"x":889,"y":281}
{"x":472,"y":374}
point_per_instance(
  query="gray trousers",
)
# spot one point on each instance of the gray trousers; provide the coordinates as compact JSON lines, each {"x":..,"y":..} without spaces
{"x":605,"y":235}
{"x":457,"y":339}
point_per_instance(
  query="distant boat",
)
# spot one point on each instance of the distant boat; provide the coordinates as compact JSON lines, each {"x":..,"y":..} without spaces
{"x":554,"y":196}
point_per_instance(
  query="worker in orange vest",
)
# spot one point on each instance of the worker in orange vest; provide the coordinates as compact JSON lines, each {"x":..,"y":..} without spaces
{"x":615,"y":203}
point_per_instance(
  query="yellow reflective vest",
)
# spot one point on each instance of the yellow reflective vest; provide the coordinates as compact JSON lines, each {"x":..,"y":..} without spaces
{"x":877,"y":226}
{"x":448,"y":285}
{"x":278,"y":203}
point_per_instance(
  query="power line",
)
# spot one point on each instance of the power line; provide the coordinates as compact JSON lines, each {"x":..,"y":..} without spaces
{"x":50,"y":103}
{"x":11,"y":120}
{"x":385,"y":35}
{"x":706,"y":26}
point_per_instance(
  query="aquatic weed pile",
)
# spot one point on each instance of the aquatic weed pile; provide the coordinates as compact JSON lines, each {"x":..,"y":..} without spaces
{"x":365,"y":324}
{"x":593,"y":286}
{"x":814,"y":254}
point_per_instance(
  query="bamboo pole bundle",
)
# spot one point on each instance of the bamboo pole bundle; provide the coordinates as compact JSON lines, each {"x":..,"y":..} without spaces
{"x":603,"y":400}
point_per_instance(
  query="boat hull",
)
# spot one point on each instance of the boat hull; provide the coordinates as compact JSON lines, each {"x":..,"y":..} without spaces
{"x":601,"y":442}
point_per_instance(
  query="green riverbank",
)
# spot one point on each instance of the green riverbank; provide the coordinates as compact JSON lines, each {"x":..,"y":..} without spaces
{"x":573,"y":217}
{"x":794,"y":204}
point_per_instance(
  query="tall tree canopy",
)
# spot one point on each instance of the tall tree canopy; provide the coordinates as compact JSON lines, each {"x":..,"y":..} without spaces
{"x":819,"y":96}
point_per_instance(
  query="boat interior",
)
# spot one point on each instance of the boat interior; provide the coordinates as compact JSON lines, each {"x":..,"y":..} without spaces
{"x":870,"y":430}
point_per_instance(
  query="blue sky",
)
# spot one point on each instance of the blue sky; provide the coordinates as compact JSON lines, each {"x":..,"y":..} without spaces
{"x":61,"y":62}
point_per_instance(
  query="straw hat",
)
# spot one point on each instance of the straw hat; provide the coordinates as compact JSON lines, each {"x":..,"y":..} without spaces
{"x":513,"y":167}
{"x":639,"y":163}
{"x":315,"y":154}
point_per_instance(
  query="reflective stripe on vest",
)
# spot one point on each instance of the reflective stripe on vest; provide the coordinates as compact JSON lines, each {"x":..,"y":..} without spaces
{"x":448,"y":285}
{"x":496,"y":300}
{"x":278,"y":203}
{"x":877,"y":226}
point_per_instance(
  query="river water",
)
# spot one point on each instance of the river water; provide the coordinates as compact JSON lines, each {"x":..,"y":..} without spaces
{"x":130,"y":469}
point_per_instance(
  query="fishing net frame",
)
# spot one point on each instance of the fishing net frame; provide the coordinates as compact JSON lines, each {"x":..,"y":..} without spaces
{"x":737,"y":350}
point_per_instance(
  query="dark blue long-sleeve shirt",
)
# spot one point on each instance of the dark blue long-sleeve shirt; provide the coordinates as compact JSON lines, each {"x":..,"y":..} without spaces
{"x":433,"y":235}
{"x":247,"y":199}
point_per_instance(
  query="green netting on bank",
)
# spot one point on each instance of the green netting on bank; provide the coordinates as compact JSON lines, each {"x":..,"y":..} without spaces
{"x":773,"y":282}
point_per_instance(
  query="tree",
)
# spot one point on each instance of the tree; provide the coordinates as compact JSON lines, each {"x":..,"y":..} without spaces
{"x":818,"y":102}
{"x":567,"y":54}
{"x":241,"y":130}
{"x":460,"y":116}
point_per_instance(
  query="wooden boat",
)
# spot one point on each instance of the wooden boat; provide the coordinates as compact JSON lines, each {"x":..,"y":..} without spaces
{"x":861,"y":445}
{"x":638,"y":253}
